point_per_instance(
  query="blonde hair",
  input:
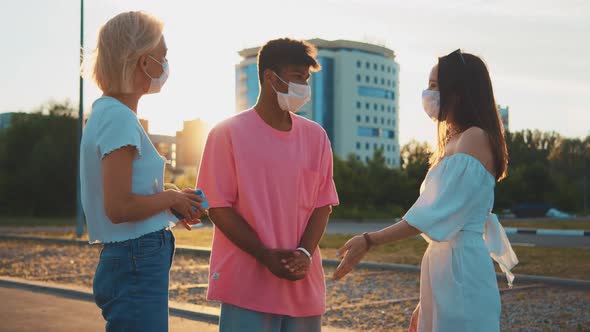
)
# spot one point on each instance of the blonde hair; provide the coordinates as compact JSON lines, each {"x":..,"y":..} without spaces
{"x":121,"y":41}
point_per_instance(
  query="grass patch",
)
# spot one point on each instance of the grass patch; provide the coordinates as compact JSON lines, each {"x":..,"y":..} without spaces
{"x":36,"y":221}
{"x":583,"y":224}
{"x":546,"y":261}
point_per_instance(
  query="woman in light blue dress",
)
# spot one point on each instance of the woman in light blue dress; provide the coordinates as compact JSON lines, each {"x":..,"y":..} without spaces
{"x":458,"y":288}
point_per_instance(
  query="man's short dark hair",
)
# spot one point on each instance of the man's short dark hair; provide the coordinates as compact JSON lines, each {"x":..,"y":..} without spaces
{"x":278,"y":53}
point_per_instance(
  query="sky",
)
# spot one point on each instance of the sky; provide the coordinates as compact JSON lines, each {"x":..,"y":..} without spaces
{"x":537,"y":52}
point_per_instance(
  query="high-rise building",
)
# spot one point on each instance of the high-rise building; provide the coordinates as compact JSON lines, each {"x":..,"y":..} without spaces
{"x":190,"y":142}
{"x":504,"y":116}
{"x":6,"y":120}
{"x":355,"y":97}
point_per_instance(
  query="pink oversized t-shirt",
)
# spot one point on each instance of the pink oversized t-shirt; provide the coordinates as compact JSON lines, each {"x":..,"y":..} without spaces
{"x":274,"y":180}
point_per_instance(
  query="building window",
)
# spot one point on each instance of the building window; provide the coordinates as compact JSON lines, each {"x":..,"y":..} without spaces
{"x":374,"y":66}
{"x":382,"y":147}
{"x":358,"y":77}
{"x":393,"y":84}
{"x":388,"y":82}
{"x":388,"y":108}
{"x":358,"y":118}
{"x":376,"y":80}
{"x":382,"y":121}
{"x":375,"y":107}
{"x":382,"y":67}
{"x":389,"y":134}
{"x":366,"y":91}
{"x":388,"y":69}
{"x":382,"y":81}
{"x":388,"y":162}
{"x":388,"y":147}
{"x":393,"y":71}
{"x":367,"y":158}
{"x":358,"y":104}
{"x":367,"y":65}
{"x":375,"y":146}
{"x":388,"y":122}
{"x":367,"y":106}
{"x":367,"y":146}
{"x":375,"y":120}
{"x":367,"y":119}
{"x":358,"y":145}
{"x":358,"y":64}
{"x":358,"y":157}
{"x":368,"y":132}
{"x":367,"y":79}
{"x":382,"y":108}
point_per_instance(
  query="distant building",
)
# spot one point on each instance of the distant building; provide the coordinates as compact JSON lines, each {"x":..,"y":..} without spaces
{"x":190,"y":142}
{"x":6,"y":120}
{"x":145,"y":124}
{"x":504,"y":116}
{"x":166,"y":146}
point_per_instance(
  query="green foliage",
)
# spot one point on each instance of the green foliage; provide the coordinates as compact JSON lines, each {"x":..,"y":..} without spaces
{"x":38,"y":166}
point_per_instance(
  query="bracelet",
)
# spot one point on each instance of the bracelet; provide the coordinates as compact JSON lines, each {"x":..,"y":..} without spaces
{"x":303,"y":250}
{"x":368,"y":240}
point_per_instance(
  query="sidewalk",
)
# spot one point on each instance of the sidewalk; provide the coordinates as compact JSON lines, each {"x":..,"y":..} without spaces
{"x":22,"y":310}
{"x":33,"y":306}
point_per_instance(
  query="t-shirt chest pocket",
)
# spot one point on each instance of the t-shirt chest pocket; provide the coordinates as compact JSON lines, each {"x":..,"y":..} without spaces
{"x":308,"y":183}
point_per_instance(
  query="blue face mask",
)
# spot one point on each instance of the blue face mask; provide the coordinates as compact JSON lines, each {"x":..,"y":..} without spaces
{"x":431,"y":103}
{"x":158,"y":82}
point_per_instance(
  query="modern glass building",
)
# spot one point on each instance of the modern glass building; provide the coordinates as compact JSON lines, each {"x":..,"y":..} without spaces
{"x":504,"y":116}
{"x":6,"y":120}
{"x":355,"y":96}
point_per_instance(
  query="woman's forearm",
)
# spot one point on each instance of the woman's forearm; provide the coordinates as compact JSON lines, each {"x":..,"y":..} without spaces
{"x":398,"y":231}
{"x":134,"y":207}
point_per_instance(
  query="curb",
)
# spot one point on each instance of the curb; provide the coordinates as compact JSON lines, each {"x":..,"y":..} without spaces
{"x":205,"y":252}
{"x":195,"y":312}
{"x":560,"y":232}
{"x":185,"y":310}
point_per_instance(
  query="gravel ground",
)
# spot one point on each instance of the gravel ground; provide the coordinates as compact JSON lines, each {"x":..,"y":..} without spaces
{"x":366,"y":300}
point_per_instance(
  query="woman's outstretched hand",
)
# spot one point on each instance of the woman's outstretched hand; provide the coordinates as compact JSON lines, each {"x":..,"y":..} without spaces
{"x":414,"y":320}
{"x":353,"y":250}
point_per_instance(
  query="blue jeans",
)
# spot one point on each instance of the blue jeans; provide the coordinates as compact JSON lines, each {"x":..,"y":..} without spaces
{"x":236,"y":319}
{"x":131,"y":283}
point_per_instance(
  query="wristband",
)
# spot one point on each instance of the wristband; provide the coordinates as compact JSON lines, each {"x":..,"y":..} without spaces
{"x":303,"y":250}
{"x":368,"y":240}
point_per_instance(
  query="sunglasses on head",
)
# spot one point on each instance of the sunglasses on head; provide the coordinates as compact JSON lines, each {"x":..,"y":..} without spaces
{"x":458,"y":53}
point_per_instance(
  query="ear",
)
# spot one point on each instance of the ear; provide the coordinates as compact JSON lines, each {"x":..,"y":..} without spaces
{"x":142,"y":62}
{"x":267,"y":74}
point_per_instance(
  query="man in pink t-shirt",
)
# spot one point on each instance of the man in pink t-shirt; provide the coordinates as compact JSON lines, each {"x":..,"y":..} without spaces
{"x":267,"y":174}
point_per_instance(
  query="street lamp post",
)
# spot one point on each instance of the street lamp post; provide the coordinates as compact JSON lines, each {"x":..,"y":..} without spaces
{"x":585,"y":177}
{"x":79,"y":212}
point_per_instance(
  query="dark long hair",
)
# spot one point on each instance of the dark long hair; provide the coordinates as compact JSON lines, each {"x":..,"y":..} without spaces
{"x":467,"y":100}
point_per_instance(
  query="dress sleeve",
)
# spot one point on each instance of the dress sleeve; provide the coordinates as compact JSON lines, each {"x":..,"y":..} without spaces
{"x":451,"y":196}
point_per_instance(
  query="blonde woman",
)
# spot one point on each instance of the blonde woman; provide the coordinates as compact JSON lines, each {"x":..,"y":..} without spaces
{"x":122,"y":179}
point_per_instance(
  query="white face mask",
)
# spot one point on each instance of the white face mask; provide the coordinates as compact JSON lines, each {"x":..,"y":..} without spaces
{"x":431,"y":103}
{"x":295,"y":98}
{"x":157,"y":83}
